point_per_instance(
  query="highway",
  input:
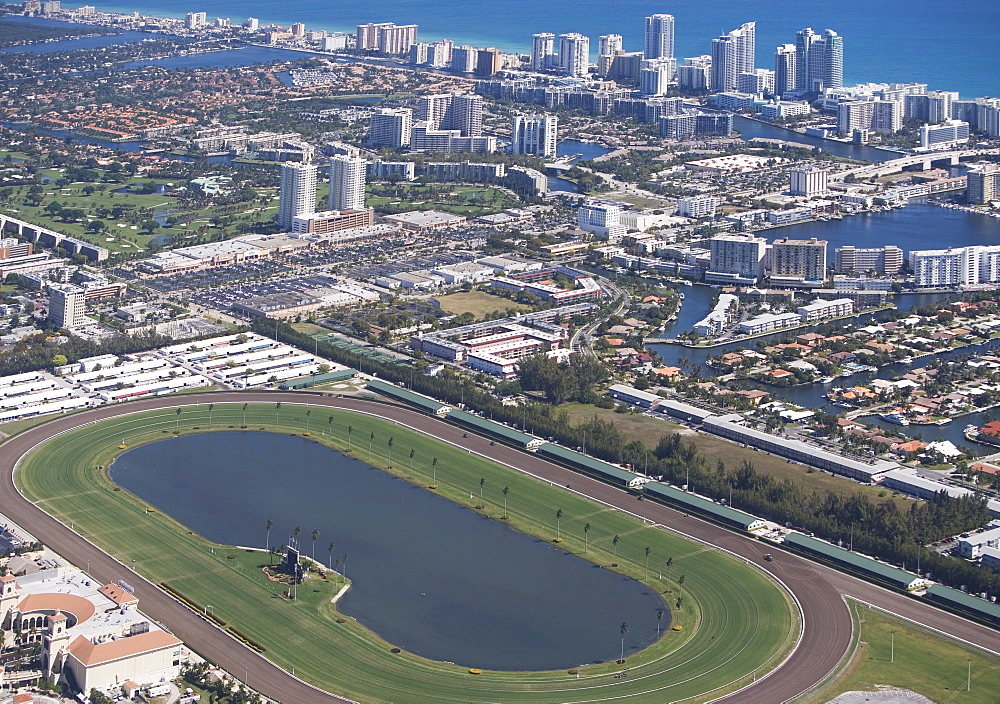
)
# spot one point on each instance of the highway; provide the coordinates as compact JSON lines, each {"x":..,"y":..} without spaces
{"x":826,"y":627}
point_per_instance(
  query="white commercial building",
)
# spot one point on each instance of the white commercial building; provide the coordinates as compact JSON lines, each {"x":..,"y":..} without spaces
{"x":534,"y":134}
{"x":972,"y":546}
{"x":347,"y":183}
{"x":809,"y":181}
{"x":602,"y":217}
{"x":66,"y":305}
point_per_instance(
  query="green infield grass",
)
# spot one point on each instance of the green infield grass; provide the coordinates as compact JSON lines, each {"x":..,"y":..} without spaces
{"x":734,"y":622}
{"x":893,"y":653}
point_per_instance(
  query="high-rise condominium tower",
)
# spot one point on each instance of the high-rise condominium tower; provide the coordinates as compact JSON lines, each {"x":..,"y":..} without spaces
{"x":784,"y":69}
{"x":574,"y":53}
{"x":733,"y":54}
{"x":534,"y":134}
{"x":819,"y":60}
{"x":347,"y":183}
{"x":298,"y":193}
{"x":543,"y":48}
{"x":659,"y":37}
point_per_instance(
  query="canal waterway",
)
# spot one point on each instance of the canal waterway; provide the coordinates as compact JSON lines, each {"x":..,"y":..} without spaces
{"x":698,"y":301}
{"x":429,"y":576}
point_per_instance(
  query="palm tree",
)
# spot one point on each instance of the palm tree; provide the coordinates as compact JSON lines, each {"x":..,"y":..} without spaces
{"x":270,"y":525}
{"x":389,"y":454}
{"x":670,"y":561}
{"x":680,"y":600}
{"x":659,"y":617}
{"x":412,"y":453}
{"x":371,"y":439}
{"x":343,"y":561}
{"x":308,"y":413}
{"x":315,"y":536}
{"x":211,"y":407}
{"x":329,"y":560}
{"x":680,"y":580}
{"x":648,"y":550}
{"x":329,"y":424}
{"x":178,"y":413}
{"x":624,"y":630}
{"x":244,"y":415}
{"x":350,"y":429}
{"x":297,"y":532}
{"x":559,"y":515}
{"x":586,"y":538}
{"x":506,"y":490}
{"x":614,"y":541}
{"x":277,"y":407}
{"x":434,"y":474}
{"x":482,"y":483}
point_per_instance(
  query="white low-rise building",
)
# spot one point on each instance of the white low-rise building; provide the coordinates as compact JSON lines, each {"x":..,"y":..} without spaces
{"x":820,"y":309}
{"x":972,"y":546}
{"x":769,"y":322}
{"x":722,"y":315}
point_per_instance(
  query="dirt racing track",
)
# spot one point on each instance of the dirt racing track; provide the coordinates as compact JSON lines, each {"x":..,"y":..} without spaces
{"x":826,"y":622}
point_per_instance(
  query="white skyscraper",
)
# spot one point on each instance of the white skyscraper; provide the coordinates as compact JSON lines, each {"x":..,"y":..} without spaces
{"x":608,"y":44}
{"x":574,"y":53}
{"x":736,"y":259}
{"x":390,"y":127}
{"x":534,"y":134}
{"x":656,"y":75}
{"x":733,"y":54}
{"x":784,"y":69}
{"x":543,"y":48}
{"x":347,"y":183}
{"x":659,"y":37}
{"x":298,"y":193}
{"x":819,"y":60}
{"x":453,"y":111}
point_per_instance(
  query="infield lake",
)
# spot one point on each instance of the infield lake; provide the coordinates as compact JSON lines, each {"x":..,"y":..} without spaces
{"x":429,"y":576}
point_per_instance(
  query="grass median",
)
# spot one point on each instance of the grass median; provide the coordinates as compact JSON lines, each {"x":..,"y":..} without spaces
{"x":734,"y":621}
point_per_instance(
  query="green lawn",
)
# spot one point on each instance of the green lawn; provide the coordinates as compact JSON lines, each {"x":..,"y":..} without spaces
{"x":896,"y":653}
{"x":118,"y":239}
{"x":649,"y":431}
{"x":734,"y":620}
{"x":479,"y":303}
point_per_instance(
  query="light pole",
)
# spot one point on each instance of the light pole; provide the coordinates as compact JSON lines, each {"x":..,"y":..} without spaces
{"x":968,"y":680}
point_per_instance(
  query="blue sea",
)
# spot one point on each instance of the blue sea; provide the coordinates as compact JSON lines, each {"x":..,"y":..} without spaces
{"x":949,"y":45}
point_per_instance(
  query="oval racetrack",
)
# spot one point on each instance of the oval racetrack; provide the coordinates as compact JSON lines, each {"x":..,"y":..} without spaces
{"x":826,"y":628}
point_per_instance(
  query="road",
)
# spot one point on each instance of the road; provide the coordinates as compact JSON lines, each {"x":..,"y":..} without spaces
{"x":826,"y":628}
{"x":581,"y":340}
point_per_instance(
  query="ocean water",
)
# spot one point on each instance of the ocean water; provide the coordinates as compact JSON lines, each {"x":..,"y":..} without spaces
{"x":948,"y":45}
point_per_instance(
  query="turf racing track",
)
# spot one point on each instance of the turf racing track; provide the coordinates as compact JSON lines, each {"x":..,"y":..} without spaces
{"x":826,"y":622}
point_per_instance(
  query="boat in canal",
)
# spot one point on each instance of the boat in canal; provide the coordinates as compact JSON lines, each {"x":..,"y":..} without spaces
{"x":895,"y":417}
